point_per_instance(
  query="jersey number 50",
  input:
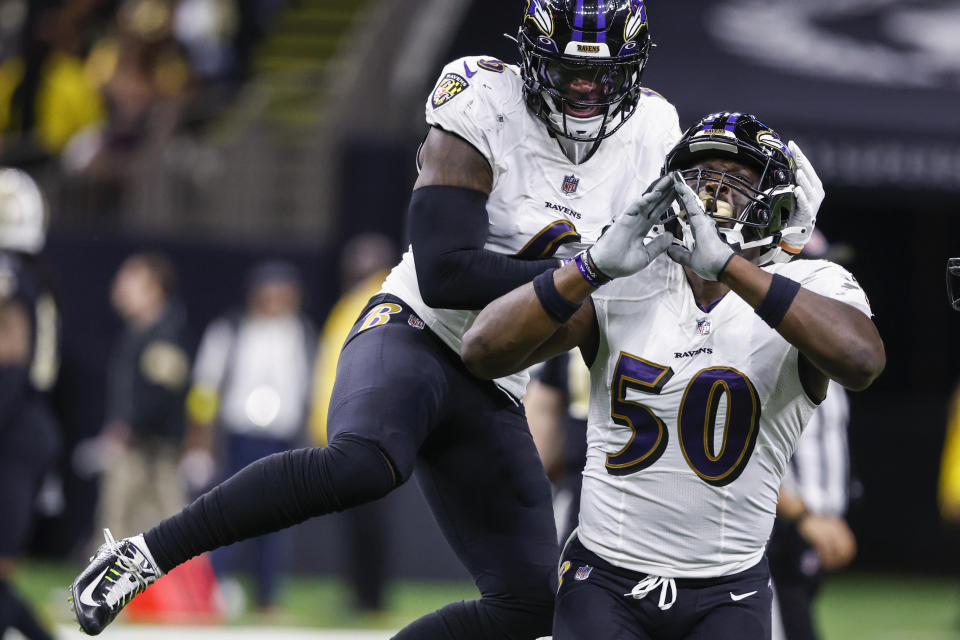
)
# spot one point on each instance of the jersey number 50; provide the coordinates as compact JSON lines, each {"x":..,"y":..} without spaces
{"x":696,"y":420}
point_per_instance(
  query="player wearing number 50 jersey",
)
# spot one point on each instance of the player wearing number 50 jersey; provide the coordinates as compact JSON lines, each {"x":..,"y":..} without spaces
{"x":521,"y":166}
{"x":708,"y":355}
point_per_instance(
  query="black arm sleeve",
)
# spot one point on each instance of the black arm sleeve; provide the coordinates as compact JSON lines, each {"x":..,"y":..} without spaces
{"x":448,"y":227}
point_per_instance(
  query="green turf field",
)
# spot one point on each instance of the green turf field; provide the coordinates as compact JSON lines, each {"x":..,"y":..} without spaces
{"x":852,"y":607}
{"x":890,"y":607}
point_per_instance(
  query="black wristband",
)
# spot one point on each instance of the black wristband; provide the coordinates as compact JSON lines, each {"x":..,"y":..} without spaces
{"x":779,"y":297}
{"x":556,"y":306}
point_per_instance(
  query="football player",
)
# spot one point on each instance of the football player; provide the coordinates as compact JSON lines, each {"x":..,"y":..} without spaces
{"x":705,"y":365}
{"x":29,"y":356}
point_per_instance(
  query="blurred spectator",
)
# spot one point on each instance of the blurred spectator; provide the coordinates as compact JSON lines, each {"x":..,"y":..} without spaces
{"x":143,"y":76}
{"x":206,"y":29}
{"x":556,"y":406}
{"x":252,"y":380}
{"x":29,"y":350}
{"x":949,"y":490}
{"x":364,"y":263}
{"x":147,"y":378}
{"x":811,"y":535}
{"x":948,"y":495}
{"x":46,"y":97}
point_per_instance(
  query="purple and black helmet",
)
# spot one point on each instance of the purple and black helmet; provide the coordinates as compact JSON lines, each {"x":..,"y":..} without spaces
{"x":742,"y":137}
{"x":605,"y":43}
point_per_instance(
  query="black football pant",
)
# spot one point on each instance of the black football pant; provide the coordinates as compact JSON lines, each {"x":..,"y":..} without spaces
{"x":595,"y":601}
{"x":403,"y":400}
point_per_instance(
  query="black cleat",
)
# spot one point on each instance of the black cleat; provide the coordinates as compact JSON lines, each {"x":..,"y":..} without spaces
{"x":118,"y":572}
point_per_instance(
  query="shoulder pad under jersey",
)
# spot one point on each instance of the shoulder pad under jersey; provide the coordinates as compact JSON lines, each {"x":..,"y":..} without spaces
{"x":827,"y":279}
{"x":473,"y":98}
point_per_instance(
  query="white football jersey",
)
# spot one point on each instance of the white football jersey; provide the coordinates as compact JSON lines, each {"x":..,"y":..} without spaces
{"x":541,"y":203}
{"x":693,"y":418}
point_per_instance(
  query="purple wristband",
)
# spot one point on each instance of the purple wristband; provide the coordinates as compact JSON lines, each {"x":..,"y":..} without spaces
{"x":589,"y":270}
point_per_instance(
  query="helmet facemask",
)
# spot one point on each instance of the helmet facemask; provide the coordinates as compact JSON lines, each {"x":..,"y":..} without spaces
{"x":757,"y":218}
{"x":764,"y":198}
{"x":551,"y":82}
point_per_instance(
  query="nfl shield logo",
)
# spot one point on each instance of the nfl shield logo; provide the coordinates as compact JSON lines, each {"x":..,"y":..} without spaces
{"x":703,"y":327}
{"x":583,"y":573}
{"x":570,"y":184}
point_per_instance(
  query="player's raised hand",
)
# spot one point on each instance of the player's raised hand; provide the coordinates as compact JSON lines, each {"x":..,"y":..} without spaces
{"x":809,"y":194}
{"x":710,"y":253}
{"x":622,"y":250}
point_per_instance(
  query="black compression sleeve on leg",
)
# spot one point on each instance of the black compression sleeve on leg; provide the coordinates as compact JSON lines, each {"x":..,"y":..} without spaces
{"x":448,"y":228}
{"x":274,"y":493}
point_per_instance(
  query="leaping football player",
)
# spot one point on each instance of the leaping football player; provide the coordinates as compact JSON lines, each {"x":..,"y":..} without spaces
{"x":708,"y":354}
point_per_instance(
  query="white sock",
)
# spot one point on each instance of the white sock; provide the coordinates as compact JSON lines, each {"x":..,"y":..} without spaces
{"x":141,"y":544}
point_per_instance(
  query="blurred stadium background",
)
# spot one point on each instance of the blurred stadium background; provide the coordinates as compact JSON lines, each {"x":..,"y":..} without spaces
{"x":226,"y":131}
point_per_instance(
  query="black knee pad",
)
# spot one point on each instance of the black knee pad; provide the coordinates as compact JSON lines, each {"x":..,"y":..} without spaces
{"x":356,"y":470}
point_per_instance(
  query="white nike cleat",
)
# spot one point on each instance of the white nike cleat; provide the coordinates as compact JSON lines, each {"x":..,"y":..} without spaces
{"x":118,"y":572}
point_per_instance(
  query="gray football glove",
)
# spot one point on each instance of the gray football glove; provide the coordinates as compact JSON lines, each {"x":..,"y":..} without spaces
{"x":809,"y":195}
{"x":621,"y":250}
{"x":710,"y":254}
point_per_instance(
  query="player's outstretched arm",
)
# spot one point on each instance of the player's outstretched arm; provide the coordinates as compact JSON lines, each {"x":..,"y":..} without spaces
{"x":838,"y":340}
{"x":515,"y":331}
{"x":448,"y":229}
